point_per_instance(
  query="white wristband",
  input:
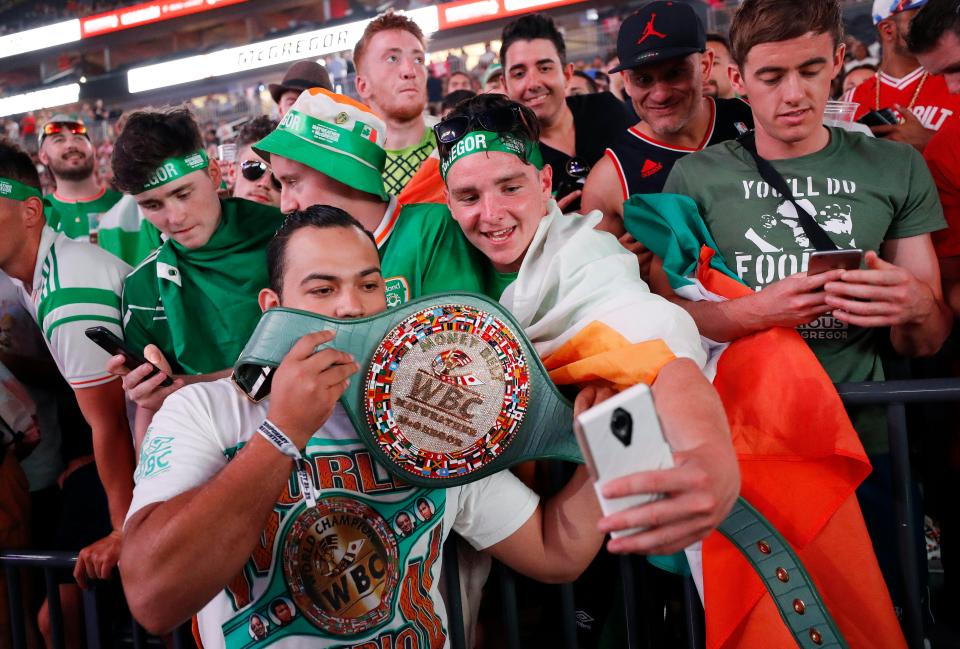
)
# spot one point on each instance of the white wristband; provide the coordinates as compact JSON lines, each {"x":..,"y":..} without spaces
{"x":279,"y":440}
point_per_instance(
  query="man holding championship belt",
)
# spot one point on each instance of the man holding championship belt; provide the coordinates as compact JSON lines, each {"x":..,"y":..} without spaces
{"x":295,"y":501}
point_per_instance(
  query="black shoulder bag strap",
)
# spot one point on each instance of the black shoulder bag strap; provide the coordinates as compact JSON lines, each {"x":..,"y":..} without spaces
{"x":818,"y":238}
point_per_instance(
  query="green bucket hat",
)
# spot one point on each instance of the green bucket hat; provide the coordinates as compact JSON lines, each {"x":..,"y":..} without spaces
{"x":335,"y":135}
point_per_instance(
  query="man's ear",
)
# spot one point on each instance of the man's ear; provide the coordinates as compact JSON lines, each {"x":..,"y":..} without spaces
{"x":362,"y":86}
{"x":33,"y":216}
{"x":267,"y":299}
{"x":546,"y":182}
{"x":215,"y":173}
{"x":838,"y":57}
{"x":43,"y":157}
{"x":707,"y":60}
{"x":736,"y":79}
{"x":567,"y":73}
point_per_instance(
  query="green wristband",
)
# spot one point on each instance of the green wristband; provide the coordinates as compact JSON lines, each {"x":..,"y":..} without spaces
{"x":177,"y":167}
{"x":485,"y":141}
{"x":17,"y":191}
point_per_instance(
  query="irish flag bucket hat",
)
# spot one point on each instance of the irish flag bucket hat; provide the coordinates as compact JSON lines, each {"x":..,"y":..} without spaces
{"x":335,"y":135}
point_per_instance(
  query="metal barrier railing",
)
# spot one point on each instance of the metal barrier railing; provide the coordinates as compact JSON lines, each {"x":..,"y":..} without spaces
{"x":57,"y":568}
{"x":894,"y":394}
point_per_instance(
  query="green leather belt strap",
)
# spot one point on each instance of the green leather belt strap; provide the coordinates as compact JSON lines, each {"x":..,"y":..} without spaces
{"x":545,"y":416}
{"x":784,"y":577}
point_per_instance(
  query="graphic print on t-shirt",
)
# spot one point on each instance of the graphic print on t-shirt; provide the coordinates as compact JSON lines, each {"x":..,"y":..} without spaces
{"x":774,"y":244}
{"x":353,"y":569}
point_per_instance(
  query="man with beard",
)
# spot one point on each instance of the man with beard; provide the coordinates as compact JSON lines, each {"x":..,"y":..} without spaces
{"x":80,"y":205}
{"x":392,"y":79}
{"x":922,"y":99}
{"x":717,"y":84}
{"x":664,"y":78}
{"x":574,"y":130}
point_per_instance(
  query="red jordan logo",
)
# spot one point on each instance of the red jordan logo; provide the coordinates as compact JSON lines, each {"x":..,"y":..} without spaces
{"x":649,"y":30}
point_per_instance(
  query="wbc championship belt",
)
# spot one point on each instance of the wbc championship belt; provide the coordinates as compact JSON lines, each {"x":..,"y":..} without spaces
{"x":451,"y":391}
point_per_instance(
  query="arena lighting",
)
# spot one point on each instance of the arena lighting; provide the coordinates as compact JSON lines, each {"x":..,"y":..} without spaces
{"x":40,"y":99}
{"x":265,"y":53}
{"x":148,"y":12}
{"x":468,"y":12}
{"x":39,"y":38}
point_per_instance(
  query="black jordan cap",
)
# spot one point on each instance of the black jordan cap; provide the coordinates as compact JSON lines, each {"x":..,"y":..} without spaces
{"x":659,"y":31}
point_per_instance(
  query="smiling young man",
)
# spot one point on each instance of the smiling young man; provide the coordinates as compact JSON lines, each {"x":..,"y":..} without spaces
{"x":362,"y":567}
{"x":664,"y":78}
{"x":574,"y":131}
{"x":80,"y":206}
{"x":865,"y":193}
{"x":390,"y":59}
{"x":561,"y":278}
{"x":328,"y":151}
{"x":194,"y":297}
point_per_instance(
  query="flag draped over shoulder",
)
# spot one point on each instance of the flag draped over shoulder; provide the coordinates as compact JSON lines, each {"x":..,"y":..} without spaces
{"x":800,"y":458}
{"x":581,"y":302}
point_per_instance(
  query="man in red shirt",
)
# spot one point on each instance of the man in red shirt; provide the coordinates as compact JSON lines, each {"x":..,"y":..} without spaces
{"x":921,"y":98}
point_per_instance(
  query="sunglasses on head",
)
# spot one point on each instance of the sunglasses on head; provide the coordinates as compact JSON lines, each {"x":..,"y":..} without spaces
{"x":253,"y":170}
{"x":498,"y":120}
{"x":53,"y":128}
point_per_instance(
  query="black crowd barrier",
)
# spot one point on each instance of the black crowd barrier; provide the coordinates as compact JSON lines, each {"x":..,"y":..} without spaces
{"x":56,"y":566}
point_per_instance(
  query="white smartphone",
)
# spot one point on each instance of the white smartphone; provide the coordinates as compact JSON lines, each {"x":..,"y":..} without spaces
{"x":619,"y":437}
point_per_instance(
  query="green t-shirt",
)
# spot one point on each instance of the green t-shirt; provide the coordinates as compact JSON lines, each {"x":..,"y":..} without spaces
{"x":200,"y":306}
{"x":863,"y":192}
{"x":498,"y":282}
{"x":111,"y":220}
{"x":402,"y":164}
{"x":424,"y":251}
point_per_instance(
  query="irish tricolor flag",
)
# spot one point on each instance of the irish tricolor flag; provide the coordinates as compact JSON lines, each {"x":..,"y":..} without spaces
{"x":800,"y":458}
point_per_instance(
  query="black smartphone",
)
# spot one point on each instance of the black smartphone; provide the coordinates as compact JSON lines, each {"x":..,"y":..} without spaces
{"x":823,"y":261}
{"x":884,"y":116}
{"x":110,"y":342}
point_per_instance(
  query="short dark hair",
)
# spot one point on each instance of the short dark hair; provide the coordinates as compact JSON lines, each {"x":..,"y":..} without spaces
{"x":528,"y":28}
{"x":148,"y":138}
{"x":714,"y":37}
{"x":255,"y":130}
{"x":315,"y":216}
{"x":15,"y":164}
{"x":771,"y":21}
{"x":590,"y":82}
{"x":528,"y":128}
{"x":455,"y":97}
{"x":934,"y":19}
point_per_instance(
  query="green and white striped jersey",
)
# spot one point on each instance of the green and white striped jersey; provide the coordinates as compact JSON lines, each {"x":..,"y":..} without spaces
{"x":75,"y":285}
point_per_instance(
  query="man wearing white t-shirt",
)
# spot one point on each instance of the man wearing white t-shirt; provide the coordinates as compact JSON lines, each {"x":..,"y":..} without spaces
{"x":220,"y":525}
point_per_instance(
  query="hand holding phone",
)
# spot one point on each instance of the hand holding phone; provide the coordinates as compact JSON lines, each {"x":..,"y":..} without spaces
{"x":114,"y":346}
{"x":826,"y":260}
{"x":619,"y":437}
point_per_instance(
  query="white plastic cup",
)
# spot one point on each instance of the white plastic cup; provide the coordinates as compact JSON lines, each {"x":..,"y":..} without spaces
{"x":840,"y":111}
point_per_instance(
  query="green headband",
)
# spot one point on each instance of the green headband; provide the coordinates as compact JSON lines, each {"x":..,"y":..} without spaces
{"x":485,"y":141}
{"x":17,"y":191}
{"x":355,"y":144}
{"x":177,"y":167}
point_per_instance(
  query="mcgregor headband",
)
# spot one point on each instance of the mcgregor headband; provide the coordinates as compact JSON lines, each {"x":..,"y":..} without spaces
{"x":16,"y":190}
{"x":177,"y":167}
{"x":485,"y":141}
